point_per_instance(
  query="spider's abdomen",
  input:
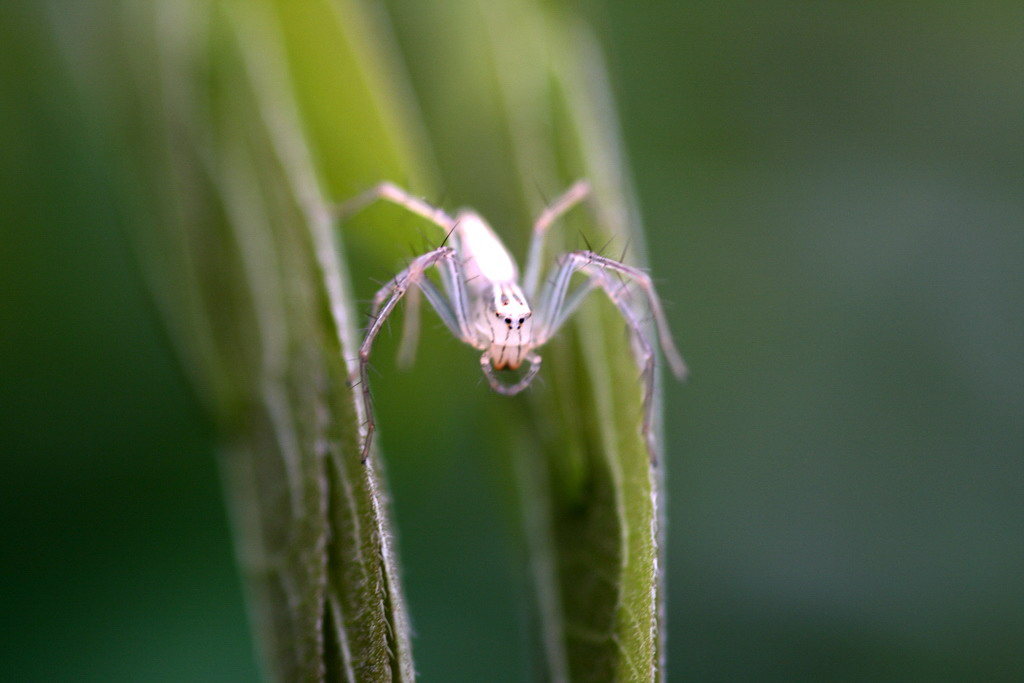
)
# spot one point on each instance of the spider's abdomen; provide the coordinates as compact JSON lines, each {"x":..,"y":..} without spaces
{"x":485,"y":258}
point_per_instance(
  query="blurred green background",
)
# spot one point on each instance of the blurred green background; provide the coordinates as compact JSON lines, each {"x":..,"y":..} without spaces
{"x":834,"y":203}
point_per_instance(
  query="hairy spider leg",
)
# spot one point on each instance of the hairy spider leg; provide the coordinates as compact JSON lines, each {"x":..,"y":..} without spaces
{"x":406,"y":354}
{"x":391,"y":193}
{"x":452,"y":310}
{"x":557,"y":308}
{"x":561,"y":206}
{"x":452,"y":306}
{"x":558,"y":305}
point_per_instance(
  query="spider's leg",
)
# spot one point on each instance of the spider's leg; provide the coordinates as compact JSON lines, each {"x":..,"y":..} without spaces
{"x":644,"y":353}
{"x":443,"y":306}
{"x":451,"y":305}
{"x":556,"y":306}
{"x":510,"y":390}
{"x":568,"y":306}
{"x":384,"y":303}
{"x":410,"y":327}
{"x":642,"y":349}
{"x":570,"y":198}
{"x":389,"y":192}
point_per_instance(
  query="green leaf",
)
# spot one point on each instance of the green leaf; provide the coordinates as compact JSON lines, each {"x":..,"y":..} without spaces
{"x":236,"y":125}
{"x":223,"y":177}
{"x":535,"y":111}
{"x":342,"y":574}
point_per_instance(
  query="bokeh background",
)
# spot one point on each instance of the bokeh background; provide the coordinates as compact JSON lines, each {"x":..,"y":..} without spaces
{"x":834,"y":202}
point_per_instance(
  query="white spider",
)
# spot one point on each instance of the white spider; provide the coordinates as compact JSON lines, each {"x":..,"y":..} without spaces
{"x":481,"y":302}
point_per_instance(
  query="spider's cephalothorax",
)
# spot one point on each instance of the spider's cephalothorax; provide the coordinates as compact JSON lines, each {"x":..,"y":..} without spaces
{"x":502,"y":316}
{"x":481,"y":301}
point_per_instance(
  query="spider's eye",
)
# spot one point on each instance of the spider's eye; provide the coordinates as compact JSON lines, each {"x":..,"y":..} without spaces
{"x":521,"y":320}
{"x":508,"y":321}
